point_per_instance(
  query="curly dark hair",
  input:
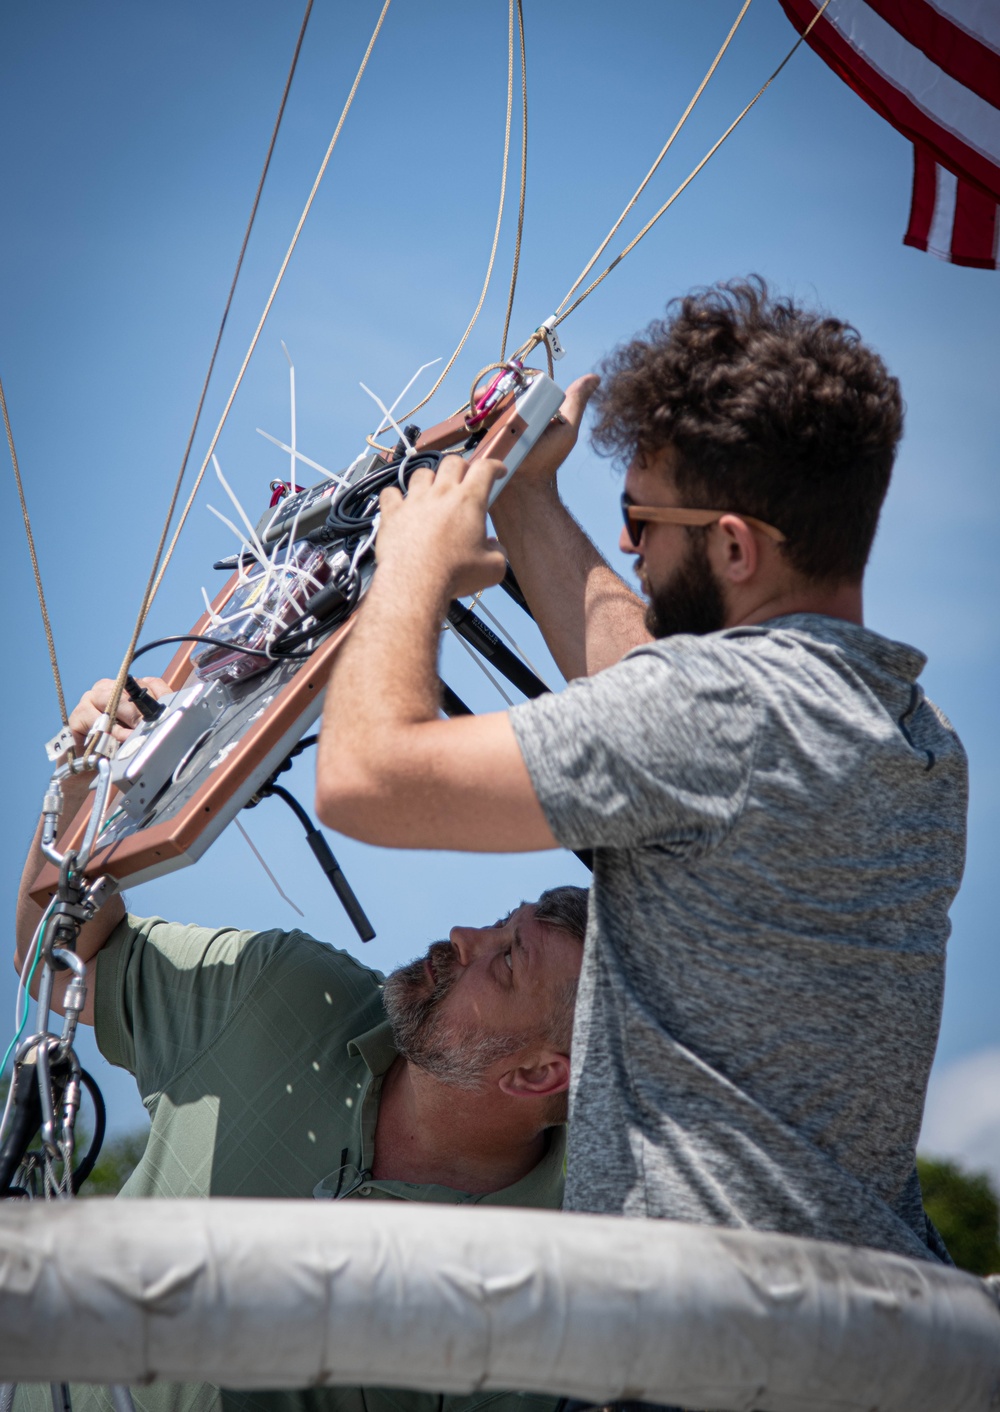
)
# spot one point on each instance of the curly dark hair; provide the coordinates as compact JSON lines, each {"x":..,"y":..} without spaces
{"x":774,"y":410}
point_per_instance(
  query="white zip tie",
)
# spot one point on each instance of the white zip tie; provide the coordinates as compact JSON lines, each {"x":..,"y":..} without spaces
{"x":239,"y":508}
{"x":280,"y":890}
{"x":387,"y":415}
{"x":283,"y":446}
{"x":382,"y":425}
{"x":247,"y":548}
{"x":213,"y":618}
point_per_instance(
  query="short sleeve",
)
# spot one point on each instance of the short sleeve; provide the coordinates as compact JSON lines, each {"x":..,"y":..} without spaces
{"x":164,"y":991}
{"x":657,"y":749}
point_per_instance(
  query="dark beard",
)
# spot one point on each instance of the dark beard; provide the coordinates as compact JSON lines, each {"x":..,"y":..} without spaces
{"x":421,"y":1035}
{"x":691,"y":600}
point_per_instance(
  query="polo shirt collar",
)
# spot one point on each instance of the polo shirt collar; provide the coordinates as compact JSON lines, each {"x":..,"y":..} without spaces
{"x":376,"y":1048}
{"x":541,"y":1187}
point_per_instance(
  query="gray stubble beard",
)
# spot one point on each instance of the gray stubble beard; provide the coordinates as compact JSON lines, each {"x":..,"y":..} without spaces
{"x":450,"y":1054}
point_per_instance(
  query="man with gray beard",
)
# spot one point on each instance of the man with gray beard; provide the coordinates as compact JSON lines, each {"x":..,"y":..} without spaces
{"x":273,"y":1065}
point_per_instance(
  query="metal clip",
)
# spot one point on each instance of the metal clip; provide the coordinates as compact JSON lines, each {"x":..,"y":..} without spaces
{"x":99,"y":892}
{"x":100,"y":742}
{"x":105,"y":747}
{"x":548,"y":332}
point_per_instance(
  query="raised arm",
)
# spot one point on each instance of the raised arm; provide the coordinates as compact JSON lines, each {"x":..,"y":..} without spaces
{"x":389,"y":770}
{"x":588,"y":616}
{"x":96,"y":932}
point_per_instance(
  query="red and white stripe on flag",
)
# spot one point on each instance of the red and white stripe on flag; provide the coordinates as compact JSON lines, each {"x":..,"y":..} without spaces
{"x":932,"y":69}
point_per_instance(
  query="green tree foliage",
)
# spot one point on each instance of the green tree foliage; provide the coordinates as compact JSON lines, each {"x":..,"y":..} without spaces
{"x":118,"y":1160}
{"x":966,"y":1211}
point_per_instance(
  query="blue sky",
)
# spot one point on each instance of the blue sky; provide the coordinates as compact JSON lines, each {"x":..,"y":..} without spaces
{"x":134,"y":137}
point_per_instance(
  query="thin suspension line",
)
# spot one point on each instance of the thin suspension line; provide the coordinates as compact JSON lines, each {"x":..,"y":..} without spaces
{"x":152,"y":581}
{"x":663,"y":152}
{"x":499,"y":221}
{"x":34,"y":562}
{"x":690,"y":178}
{"x":524,"y":180}
{"x":157,"y":580}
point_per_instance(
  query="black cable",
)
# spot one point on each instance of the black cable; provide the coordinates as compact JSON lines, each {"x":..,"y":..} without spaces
{"x":513,"y":589}
{"x":218,"y":642}
{"x":451,"y":704}
{"x":348,"y":516}
{"x":83,"y":1171}
{"x":304,"y":819}
{"x":351,"y":515}
{"x":475,"y":632}
{"x":324,"y":857}
{"x":145,"y":703}
{"x":24,"y":1121}
{"x":327,"y":611}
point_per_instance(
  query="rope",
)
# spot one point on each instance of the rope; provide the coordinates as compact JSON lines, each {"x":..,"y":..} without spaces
{"x":34,"y":562}
{"x":665,"y":149}
{"x":690,"y":178}
{"x":405,"y":416}
{"x":156,"y":577}
{"x":524,"y":179}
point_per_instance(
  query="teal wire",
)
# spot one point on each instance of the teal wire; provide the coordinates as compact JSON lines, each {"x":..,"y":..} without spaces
{"x":27,"y":994}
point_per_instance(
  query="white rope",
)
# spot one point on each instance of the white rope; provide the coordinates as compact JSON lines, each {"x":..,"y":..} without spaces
{"x":260,"y":859}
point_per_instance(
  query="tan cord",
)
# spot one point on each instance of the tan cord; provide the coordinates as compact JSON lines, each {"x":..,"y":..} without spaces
{"x":687,"y":181}
{"x":34,"y":561}
{"x":152,"y":581}
{"x":524,"y":181}
{"x":404,"y":417}
{"x":155,"y":582}
{"x":490,"y":368}
{"x":665,"y":149}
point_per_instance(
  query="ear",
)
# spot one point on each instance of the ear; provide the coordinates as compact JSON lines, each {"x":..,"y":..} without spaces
{"x":548,"y":1075}
{"x":737,"y":551}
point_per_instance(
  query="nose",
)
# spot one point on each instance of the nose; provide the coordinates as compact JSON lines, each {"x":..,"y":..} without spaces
{"x":467,"y":942}
{"x":625,"y":542}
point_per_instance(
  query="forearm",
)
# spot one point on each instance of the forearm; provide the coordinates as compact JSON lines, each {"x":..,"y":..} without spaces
{"x":384,"y":682}
{"x":96,"y":932}
{"x":389,"y":770}
{"x":588,"y":616}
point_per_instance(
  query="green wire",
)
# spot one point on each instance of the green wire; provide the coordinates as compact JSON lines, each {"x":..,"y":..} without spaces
{"x":27,"y":992}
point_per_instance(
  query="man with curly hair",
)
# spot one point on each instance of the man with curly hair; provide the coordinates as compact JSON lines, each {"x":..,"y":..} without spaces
{"x":776,"y":811}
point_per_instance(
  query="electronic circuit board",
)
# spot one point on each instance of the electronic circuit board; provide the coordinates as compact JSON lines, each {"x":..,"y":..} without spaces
{"x":239,"y":704}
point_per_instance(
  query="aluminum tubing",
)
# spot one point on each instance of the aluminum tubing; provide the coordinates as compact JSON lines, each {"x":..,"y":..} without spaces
{"x":267,"y":1294}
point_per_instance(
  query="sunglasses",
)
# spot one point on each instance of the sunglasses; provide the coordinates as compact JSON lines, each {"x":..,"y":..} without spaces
{"x":635,"y":516}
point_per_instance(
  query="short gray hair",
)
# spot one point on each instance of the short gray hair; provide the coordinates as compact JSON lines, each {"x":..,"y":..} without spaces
{"x":564,"y":907}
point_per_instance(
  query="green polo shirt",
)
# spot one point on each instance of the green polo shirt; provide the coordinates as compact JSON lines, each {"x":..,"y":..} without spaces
{"x":260,"y":1058}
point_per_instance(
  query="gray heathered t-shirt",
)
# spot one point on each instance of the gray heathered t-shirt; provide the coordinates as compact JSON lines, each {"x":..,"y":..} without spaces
{"x":778,"y":821}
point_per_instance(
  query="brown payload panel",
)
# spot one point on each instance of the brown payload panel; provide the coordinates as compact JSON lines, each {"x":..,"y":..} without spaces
{"x":169,"y":843}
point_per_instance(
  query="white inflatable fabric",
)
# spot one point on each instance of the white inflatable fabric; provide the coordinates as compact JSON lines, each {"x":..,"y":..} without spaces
{"x":291,"y":1294}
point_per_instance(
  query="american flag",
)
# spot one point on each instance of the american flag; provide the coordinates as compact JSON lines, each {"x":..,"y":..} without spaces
{"x":932,"y":69}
